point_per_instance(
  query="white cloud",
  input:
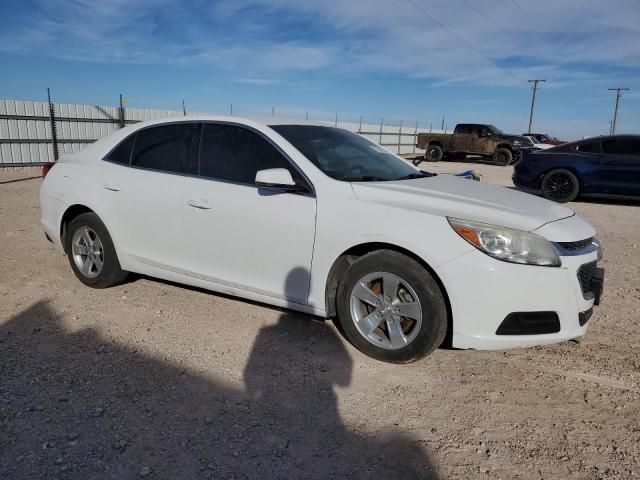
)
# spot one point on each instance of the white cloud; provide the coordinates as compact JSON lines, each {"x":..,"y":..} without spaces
{"x":566,"y":42}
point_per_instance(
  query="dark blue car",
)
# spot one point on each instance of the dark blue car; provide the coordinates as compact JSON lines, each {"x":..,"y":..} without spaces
{"x":608,"y":165}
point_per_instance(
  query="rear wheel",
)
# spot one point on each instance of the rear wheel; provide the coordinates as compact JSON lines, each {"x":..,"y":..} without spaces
{"x":560,"y":186}
{"x":434,"y":153}
{"x":502,"y":156}
{"x":391,"y":308}
{"x":91,"y":252}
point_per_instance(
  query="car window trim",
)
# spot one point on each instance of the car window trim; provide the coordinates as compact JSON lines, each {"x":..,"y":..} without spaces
{"x":288,"y":159}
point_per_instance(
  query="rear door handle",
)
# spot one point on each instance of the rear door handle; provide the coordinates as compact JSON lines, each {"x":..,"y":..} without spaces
{"x":199,"y":203}
{"x":114,"y":187}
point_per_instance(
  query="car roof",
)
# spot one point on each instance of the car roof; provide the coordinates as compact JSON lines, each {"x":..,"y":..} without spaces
{"x":265,"y":121}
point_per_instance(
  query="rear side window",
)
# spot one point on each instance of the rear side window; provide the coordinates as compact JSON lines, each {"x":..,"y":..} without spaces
{"x":235,"y":154}
{"x":168,"y":148}
{"x":122,"y":153}
{"x":621,"y":146}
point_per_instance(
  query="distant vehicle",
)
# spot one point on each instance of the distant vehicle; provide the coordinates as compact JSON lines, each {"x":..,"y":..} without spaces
{"x":601,"y":165}
{"x":472,"y":139}
{"x":537,"y":144}
{"x":544,"y":138}
{"x":321,"y":220}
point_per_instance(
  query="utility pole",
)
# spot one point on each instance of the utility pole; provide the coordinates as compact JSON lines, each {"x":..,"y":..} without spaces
{"x":615,"y":112}
{"x":533,"y":100}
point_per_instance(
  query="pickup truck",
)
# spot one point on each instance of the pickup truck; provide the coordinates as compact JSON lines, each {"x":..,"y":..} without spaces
{"x":472,"y":139}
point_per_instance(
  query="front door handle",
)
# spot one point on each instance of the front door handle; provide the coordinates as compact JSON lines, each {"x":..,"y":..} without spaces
{"x":199,"y":203}
{"x":114,"y":187}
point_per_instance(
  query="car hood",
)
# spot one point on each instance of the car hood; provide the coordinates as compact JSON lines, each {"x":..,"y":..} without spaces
{"x":511,"y":138}
{"x":450,"y":196}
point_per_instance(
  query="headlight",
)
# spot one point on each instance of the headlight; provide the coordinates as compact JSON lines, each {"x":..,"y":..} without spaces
{"x":517,"y":142}
{"x":507,"y":244}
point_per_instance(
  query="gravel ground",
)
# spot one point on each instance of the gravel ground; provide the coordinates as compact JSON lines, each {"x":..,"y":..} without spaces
{"x":155,"y":380}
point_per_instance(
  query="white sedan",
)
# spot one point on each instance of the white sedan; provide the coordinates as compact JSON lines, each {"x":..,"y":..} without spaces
{"x":321,"y":220}
{"x":537,"y":144}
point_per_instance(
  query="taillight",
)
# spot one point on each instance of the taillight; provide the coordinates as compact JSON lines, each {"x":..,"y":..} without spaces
{"x":46,"y":168}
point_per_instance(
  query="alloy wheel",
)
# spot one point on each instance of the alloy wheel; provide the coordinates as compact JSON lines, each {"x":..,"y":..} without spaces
{"x":88,"y":253}
{"x":386,"y":310}
{"x":558,"y":186}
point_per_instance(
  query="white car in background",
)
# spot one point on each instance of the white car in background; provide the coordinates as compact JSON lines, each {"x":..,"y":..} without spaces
{"x":321,"y":220}
{"x":537,"y":144}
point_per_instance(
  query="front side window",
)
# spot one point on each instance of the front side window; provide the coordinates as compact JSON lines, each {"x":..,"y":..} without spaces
{"x":344,"y":155}
{"x":236,"y":154}
{"x":167,"y":148}
{"x":589,"y":147}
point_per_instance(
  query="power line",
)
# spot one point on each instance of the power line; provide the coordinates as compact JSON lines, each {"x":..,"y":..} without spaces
{"x":533,"y":100}
{"x":615,"y":112}
{"x":487,"y":17}
{"x":442,"y":25}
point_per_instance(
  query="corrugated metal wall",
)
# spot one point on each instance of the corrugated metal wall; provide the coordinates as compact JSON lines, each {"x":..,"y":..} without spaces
{"x":25,"y":129}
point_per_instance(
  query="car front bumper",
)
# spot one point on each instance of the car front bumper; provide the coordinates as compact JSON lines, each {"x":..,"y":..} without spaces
{"x":487,"y":291}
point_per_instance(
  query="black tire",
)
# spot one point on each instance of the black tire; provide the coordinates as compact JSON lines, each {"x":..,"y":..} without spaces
{"x":433,"y":327}
{"x":560,"y":186}
{"x":111,"y":273}
{"x":502,"y":157}
{"x":434,"y":153}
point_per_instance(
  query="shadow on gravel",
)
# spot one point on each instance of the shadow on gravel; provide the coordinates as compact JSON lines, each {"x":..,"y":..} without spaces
{"x":75,"y":406}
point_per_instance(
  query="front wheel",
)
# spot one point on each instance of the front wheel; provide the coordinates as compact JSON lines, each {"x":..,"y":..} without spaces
{"x":91,"y":252}
{"x":391,"y":308}
{"x":560,"y":186}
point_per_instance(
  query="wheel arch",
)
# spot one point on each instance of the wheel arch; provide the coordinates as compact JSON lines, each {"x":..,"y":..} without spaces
{"x":342,"y":263}
{"x":435,"y":142}
{"x":503,"y":145}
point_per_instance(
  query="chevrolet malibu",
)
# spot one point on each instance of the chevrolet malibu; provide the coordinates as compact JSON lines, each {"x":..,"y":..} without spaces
{"x":318,"y":219}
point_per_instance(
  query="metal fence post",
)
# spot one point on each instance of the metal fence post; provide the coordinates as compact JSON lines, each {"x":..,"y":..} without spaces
{"x":121,"y":112}
{"x":380,"y":137}
{"x":360,"y":125}
{"x":54,"y":132}
{"x":399,"y":137}
{"x":415,"y":139}
{"x":336,"y":124}
{"x":184,"y":108}
{"x":231,"y":109}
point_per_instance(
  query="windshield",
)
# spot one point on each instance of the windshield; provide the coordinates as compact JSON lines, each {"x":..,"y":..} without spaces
{"x":533,"y":139}
{"x":344,"y":155}
{"x":495,"y":130}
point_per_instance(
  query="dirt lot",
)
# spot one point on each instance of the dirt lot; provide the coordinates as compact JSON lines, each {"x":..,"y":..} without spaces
{"x":155,"y":380}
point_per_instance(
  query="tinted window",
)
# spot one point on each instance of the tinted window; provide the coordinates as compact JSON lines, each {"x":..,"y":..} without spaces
{"x":589,"y":147}
{"x":166,"y":148}
{"x":463,"y":129}
{"x":621,"y":146}
{"x":345,"y":155}
{"x":232,"y":153}
{"x":122,"y":153}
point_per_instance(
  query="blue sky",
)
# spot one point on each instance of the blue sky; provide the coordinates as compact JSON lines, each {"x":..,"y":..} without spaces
{"x":410,"y":60}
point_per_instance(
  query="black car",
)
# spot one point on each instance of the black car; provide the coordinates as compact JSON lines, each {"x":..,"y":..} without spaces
{"x":607,"y":165}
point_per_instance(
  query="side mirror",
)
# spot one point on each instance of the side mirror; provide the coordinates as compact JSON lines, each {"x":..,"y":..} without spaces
{"x":278,"y":178}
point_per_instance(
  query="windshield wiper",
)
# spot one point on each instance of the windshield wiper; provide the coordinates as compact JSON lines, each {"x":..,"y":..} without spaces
{"x":363,"y":178}
{"x":420,"y":174}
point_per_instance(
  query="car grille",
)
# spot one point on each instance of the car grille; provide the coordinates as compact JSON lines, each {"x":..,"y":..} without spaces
{"x":575,"y":246}
{"x":585,"y":274}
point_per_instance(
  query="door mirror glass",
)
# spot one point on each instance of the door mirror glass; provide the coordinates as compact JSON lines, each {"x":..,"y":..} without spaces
{"x":275,"y":178}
